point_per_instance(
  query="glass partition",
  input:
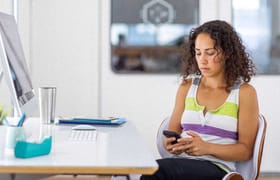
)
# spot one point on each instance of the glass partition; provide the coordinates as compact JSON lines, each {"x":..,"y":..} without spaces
{"x":258,"y":22}
{"x":146,"y":34}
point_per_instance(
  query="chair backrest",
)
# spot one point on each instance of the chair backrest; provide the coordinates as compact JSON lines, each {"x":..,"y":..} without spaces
{"x":162,"y":151}
{"x":248,"y":169}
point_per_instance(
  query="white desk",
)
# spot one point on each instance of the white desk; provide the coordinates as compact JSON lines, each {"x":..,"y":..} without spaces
{"x":116,"y":151}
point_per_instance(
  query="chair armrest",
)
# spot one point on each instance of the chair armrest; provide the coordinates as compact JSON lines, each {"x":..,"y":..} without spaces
{"x":233,"y":176}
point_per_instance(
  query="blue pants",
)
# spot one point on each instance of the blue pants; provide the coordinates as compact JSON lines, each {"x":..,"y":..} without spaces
{"x":185,"y":169}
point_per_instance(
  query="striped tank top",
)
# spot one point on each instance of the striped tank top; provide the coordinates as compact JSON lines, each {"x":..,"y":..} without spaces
{"x":217,"y":126}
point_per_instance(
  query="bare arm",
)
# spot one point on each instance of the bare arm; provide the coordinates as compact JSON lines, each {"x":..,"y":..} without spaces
{"x":175,"y":121}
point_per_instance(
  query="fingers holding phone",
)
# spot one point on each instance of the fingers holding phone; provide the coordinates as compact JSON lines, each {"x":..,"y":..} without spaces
{"x":170,"y":134}
{"x":171,"y":141}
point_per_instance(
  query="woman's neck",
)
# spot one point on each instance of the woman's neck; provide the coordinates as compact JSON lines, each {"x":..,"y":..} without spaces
{"x":213,"y":83}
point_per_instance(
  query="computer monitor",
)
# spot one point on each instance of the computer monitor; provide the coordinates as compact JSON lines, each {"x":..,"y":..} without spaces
{"x":14,"y":68}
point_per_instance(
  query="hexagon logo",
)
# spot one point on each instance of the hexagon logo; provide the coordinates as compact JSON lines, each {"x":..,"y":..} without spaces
{"x":158,"y":12}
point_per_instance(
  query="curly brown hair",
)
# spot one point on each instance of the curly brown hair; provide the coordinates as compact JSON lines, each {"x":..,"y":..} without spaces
{"x":238,"y":64}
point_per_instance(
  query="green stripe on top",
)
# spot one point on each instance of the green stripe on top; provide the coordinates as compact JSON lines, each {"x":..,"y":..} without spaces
{"x":227,"y":109}
{"x":190,"y":104}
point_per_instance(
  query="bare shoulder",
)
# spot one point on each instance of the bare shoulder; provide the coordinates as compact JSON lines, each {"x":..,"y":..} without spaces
{"x":186,"y":83}
{"x":184,"y":86}
{"x":248,"y":98}
{"x":183,"y":90}
{"x":247,"y":89}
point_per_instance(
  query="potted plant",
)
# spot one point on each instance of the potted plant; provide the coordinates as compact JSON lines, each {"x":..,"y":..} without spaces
{"x":3,"y":115}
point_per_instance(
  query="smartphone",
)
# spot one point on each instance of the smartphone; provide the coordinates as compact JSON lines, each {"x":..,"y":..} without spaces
{"x":169,"y":134}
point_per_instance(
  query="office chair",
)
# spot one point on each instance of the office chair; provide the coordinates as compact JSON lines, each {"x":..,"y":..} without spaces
{"x":245,"y":170}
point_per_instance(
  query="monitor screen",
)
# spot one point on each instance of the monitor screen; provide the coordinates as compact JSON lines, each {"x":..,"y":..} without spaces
{"x":14,"y":67}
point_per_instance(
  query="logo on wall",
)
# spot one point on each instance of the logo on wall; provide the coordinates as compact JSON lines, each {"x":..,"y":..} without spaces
{"x":158,"y":12}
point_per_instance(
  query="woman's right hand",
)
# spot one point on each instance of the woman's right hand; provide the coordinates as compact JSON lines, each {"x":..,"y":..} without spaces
{"x":169,"y":146}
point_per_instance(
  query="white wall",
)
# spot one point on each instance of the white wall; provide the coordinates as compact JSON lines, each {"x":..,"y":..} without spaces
{"x":268,"y":88}
{"x":63,"y":51}
{"x":68,"y":47}
{"x":6,"y":6}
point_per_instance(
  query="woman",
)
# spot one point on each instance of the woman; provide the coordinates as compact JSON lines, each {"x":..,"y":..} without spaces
{"x":216,"y":110}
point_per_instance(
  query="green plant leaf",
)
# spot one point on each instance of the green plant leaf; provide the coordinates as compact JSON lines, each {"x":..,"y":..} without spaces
{"x":1,"y":109}
{"x":3,"y":114}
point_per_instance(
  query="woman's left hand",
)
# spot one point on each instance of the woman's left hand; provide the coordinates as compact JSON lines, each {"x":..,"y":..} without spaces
{"x":193,"y":145}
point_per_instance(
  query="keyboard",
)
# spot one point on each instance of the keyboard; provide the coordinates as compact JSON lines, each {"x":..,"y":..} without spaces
{"x":82,"y":135}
